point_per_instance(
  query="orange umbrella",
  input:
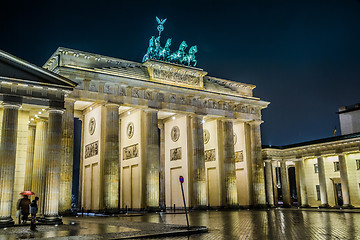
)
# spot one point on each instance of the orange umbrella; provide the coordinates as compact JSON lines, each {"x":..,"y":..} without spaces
{"x":27,"y":193}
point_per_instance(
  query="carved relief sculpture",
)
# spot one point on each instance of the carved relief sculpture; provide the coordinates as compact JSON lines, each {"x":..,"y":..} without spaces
{"x":210,"y":155}
{"x":206,"y":136}
{"x":175,"y":154}
{"x":130,"y":130}
{"x":131,"y":151}
{"x":239,"y":157}
{"x":175,"y":133}
{"x":92,"y":125}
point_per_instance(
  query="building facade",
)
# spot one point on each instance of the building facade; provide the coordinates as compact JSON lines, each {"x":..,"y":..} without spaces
{"x":143,"y":126}
{"x":327,"y":172}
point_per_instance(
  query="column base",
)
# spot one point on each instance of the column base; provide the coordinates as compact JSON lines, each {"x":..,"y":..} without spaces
{"x":153,"y":209}
{"x":199,"y":208}
{"x":260,"y":206}
{"x":305,"y":206}
{"x":324,"y":205}
{"x":6,"y":222}
{"x":52,"y":220}
{"x":347,"y":206}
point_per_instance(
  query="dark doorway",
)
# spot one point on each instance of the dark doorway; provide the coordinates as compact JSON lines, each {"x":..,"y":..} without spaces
{"x":338,"y":194}
{"x":292,"y":185}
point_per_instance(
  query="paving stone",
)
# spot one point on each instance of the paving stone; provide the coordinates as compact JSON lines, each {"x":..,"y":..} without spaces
{"x":241,"y":224}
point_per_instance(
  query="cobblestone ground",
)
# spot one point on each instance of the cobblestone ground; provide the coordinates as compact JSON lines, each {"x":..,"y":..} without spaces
{"x":243,"y":224}
{"x":271,"y":224}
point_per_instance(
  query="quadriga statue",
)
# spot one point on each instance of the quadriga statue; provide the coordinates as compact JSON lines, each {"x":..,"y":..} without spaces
{"x":151,"y":50}
{"x":165,"y":52}
{"x":190,"y":58}
{"x":178,"y":56}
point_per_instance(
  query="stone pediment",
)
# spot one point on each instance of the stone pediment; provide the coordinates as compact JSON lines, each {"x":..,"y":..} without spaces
{"x":13,"y":69}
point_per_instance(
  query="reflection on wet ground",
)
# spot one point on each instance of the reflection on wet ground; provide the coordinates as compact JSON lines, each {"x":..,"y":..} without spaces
{"x":243,"y":224}
{"x":267,"y":224}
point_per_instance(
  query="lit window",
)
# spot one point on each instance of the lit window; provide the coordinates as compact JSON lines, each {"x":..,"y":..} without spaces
{"x":316,"y":168}
{"x":336,"y":166}
{"x":318,"y":192}
{"x":358,"y":164}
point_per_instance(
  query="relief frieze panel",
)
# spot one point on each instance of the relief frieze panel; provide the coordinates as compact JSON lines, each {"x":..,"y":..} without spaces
{"x":210,"y":155}
{"x":239,"y":156}
{"x":175,"y":154}
{"x":92,"y":149}
{"x":176,"y":76}
{"x":130,"y":152}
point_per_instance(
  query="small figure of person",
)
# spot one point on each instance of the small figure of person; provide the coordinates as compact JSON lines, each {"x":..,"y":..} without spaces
{"x":33,"y":212}
{"x":23,"y":207}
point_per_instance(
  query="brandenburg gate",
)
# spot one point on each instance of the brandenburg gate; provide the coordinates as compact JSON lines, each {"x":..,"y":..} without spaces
{"x":143,"y":126}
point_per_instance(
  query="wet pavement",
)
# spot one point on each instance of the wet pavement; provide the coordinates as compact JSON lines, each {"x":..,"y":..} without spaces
{"x":241,"y":224}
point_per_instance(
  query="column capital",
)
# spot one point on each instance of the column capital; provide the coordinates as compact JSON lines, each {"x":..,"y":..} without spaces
{"x":255,"y":122}
{"x":111,"y":105}
{"x":54,"y":110}
{"x":11,"y":106}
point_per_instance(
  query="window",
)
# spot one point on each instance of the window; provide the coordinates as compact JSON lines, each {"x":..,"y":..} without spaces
{"x":318,"y":192}
{"x":316,"y":168}
{"x":358,"y":164}
{"x":336,"y":166}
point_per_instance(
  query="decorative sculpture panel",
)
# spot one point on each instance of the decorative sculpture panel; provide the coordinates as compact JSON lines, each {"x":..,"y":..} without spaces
{"x":210,"y":155}
{"x":131,"y":152}
{"x":175,"y":154}
{"x":175,"y":133}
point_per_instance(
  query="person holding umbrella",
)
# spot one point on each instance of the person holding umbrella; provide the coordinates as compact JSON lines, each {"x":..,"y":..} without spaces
{"x":24,"y":206}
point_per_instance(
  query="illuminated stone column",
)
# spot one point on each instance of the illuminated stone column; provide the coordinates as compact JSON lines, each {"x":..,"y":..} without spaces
{"x":300,"y":177}
{"x":67,"y":145}
{"x":269,"y":183}
{"x":198,"y":163}
{"x":151,"y":134}
{"x":322,"y":182}
{"x":38,"y":174}
{"x":7,"y":162}
{"x":162,"y":164}
{"x":259,"y":198}
{"x":29,"y":158}
{"x":285,"y":184}
{"x":229,"y":165}
{"x":111,"y":158}
{"x":344,"y":181}
{"x":53,"y":163}
{"x":275,"y":183}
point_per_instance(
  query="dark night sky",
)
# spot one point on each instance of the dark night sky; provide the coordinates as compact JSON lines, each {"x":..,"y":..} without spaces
{"x":303,"y":56}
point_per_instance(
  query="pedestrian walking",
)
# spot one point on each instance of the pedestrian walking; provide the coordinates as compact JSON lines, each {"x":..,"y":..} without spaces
{"x":33,"y":212}
{"x":24,"y":207}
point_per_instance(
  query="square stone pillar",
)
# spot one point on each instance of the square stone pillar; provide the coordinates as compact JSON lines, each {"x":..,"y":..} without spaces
{"x":7,"y":162}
